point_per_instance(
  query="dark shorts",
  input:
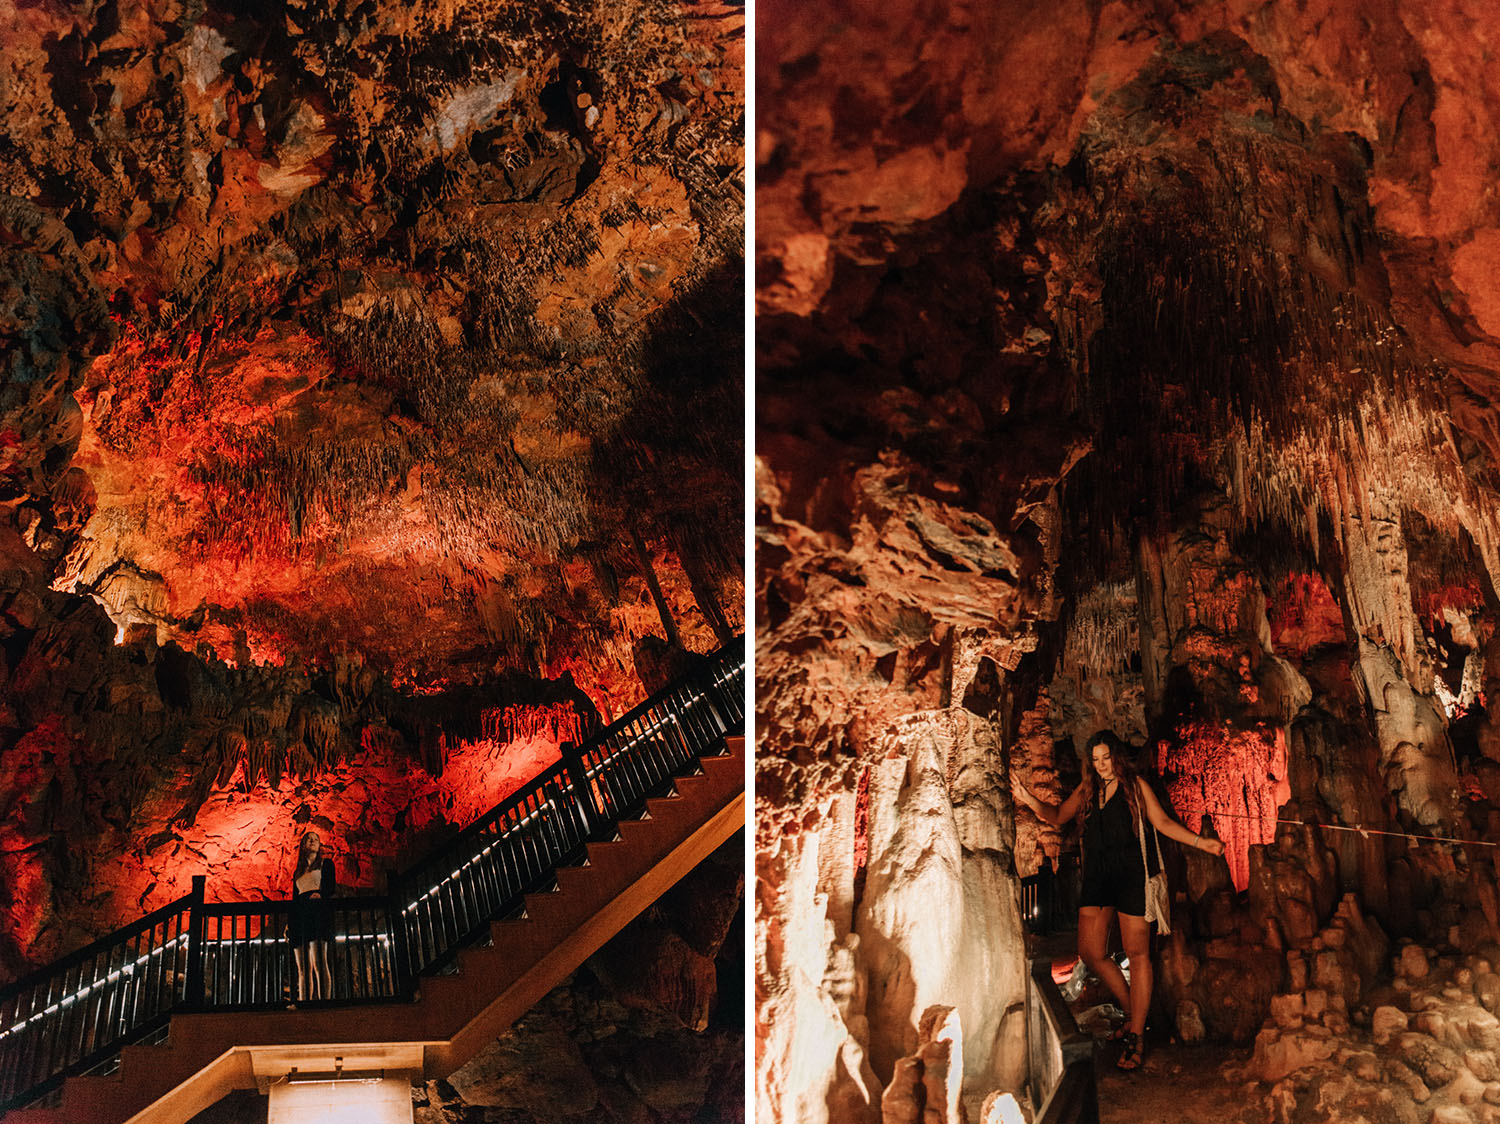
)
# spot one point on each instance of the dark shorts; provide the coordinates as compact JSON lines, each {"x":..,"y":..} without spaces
{"x":311,"y":920}
{"x":1119,"y":887}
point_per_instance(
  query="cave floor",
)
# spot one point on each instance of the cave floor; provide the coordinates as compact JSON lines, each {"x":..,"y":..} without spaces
{"x":1177,"y":1082}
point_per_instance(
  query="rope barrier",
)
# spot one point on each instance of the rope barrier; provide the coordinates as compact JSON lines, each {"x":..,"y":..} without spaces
{"x":1357,"y":829}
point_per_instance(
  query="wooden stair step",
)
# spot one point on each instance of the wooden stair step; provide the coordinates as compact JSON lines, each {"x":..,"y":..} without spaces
{"x":571,"y":877}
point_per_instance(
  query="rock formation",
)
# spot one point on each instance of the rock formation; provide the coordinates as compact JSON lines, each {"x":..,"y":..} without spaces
{"x":1123,"y":367}
{"x":371,"y":423}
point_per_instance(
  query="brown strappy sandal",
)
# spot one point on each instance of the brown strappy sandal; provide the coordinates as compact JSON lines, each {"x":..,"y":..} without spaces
{"x":1134,"y":1053}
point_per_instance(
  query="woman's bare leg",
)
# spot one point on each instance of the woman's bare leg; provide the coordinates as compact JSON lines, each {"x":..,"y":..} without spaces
{"x":321,"y":974}
{"x":1093,"y":947}
{"x":299,"y":954}
{"x":1135,"y":935}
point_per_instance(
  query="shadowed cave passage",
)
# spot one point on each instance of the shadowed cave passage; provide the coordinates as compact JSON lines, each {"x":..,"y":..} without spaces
{"x":1129,"y":369}
{"x":370,"y":425}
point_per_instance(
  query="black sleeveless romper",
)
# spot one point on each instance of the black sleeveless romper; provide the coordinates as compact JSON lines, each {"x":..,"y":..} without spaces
{"x":1112,"y":874}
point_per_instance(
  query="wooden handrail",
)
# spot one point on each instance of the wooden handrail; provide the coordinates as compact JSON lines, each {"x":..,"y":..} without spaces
{"x":1060,"y":1058}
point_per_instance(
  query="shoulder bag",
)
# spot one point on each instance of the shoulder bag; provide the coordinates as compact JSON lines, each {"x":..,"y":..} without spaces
{"x":1158,"y":900}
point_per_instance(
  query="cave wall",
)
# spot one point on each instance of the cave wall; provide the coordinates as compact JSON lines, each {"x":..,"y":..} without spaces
{"x":1184,"y":303}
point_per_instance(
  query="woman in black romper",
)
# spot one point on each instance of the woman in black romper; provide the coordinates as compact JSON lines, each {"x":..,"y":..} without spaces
{"x":311,"y":925}
{"x":1110,"y":801}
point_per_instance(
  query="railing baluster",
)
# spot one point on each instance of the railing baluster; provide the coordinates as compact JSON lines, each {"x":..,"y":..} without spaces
{"x":109,"y":987}
{"x":363,"y":989}
{"x":87,"y":998}
{"x":286,"y":989}
{"x":31,"y":1043}
{"x":627,"y":768}
{"x":60,"y":991}
{"x":345,"y":930}
{"x":260,"y":964}
{"x":609,"y":777}
{"x":132,"y":1018}
{"x":478,"y":899}
{"x":541,"y":832}
{"x":182,"y":926}
{"x":343,"y":977}
{"x":56,"y":1022}
{"x":9,"y":1061}
{"x":245,"y":960}
{"x":119,"y":1023}
{"x":485,"y":875}
{"x":504,"y":865}
{"x":221,"y":962}
{"x":424,"y":934}
{"x":10,"y":1045}
{"x":162,"y":996}
{"x":560,"y":820}
{"x":464,"y":891}
{"x":449,"y":914}
{"x":233,"y":979}
{"x":35,"y":1059}
{"x":355,"y":950}
{"x":690,"y":721}
{"x":538,"y":845}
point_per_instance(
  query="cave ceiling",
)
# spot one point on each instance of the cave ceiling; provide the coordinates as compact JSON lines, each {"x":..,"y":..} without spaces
{"x":371,"y":422}
{"x":1060,"y":276}
{"x":377,"y":330}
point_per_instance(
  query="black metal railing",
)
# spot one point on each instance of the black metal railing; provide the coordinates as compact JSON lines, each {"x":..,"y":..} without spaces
{"x":246,"y":956}
{"x":194,"y":955}
{"x":82,"y":1009}
{"x":1049,"y":900}
{"x":448,"y":899}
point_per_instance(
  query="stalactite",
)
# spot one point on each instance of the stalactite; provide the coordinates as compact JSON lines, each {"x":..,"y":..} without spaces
{"x":1102,"y":629}
{"x":553,"y":722}
{"x":648,"y":571}
{"x":1235,"y":777}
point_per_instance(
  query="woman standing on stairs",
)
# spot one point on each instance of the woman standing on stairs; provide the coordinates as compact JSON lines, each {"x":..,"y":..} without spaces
{"x":311,"y":925}
{"x":1110,"y":802}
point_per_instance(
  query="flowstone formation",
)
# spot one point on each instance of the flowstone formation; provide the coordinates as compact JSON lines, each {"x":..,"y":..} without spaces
{"x":371,"y":423}
{"x":1123,"y":368}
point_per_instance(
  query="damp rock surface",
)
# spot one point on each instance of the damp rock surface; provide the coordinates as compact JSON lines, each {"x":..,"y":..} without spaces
{"x":372,"y":424}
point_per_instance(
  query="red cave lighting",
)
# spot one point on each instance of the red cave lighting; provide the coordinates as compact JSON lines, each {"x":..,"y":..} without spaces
{"x":1237,"y":777}
{"x":375,"y":811}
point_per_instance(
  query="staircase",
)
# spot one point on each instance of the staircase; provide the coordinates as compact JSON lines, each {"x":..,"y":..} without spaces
{"x":191,"y":999}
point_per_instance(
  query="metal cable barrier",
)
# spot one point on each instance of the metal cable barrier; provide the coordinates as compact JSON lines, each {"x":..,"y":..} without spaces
{"x":76,"y":1014}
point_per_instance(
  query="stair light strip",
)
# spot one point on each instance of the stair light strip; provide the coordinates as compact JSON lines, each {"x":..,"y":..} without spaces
{"x":550,"y":804}
{"x":129,"y":969}
{"x":69,"y":1000}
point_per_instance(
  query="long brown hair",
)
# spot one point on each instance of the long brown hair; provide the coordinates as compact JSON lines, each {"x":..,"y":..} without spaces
{"x":304,"y":864}
{"x":1125,"y":773}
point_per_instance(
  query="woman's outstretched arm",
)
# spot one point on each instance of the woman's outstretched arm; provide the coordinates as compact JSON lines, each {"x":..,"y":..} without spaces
{"x":1047,"y":813}
{"x":1170,"y":827}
